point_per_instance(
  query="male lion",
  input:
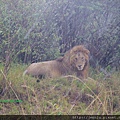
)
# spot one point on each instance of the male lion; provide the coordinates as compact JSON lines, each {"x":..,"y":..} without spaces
{"x":74,"y":62}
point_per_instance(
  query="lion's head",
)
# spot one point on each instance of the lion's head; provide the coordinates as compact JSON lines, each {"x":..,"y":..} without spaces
{"x":78,"y":61}
{"x":77,"y":57}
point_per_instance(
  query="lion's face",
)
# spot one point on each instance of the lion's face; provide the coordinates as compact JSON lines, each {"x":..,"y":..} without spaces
{"x":77,"y":58}
{"x":78,"y":61}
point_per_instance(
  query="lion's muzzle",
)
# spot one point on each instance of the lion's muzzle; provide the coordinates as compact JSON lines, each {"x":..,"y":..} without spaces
{"x":80,"y":67}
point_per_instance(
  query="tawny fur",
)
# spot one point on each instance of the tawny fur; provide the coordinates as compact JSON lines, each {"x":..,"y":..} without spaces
{"x":74,"y":62}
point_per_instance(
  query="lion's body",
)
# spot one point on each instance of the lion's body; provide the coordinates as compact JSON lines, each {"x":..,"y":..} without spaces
{"x":74,"y":62}
{"x":49,"y":69}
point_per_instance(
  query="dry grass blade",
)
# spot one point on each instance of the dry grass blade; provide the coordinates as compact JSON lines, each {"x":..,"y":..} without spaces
{"x":9,"y":83}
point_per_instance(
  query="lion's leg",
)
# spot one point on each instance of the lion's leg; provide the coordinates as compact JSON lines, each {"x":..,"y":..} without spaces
{"x":83,"y":74}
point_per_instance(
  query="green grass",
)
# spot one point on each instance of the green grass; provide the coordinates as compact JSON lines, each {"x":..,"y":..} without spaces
{"x":62,"y":96}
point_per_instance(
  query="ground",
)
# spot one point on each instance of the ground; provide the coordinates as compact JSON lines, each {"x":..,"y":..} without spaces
{"x":62,"y":96}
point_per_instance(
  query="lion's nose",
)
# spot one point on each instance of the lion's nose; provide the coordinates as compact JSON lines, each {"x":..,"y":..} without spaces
{"x":79,"y":66}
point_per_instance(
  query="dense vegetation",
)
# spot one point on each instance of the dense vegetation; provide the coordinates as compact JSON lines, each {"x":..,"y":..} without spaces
{"x":38,"y":30}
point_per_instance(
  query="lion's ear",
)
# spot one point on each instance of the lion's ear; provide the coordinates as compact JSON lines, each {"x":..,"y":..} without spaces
{"x":87,"y":52}
{"x":60,"y":59}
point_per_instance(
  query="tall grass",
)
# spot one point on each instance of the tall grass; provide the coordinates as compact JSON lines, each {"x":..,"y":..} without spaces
{"x":63,"y":96}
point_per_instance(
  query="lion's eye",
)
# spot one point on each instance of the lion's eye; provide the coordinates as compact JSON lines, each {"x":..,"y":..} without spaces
{"x":79,"y":54}
{"x":82,"y":58}
{"x":76,"y":59}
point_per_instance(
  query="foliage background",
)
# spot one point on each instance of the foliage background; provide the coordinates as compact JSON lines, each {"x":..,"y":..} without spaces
{"x":32,"y":31}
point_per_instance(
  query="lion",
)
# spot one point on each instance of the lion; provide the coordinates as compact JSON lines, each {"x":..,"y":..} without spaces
{"x":74,"y":62}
